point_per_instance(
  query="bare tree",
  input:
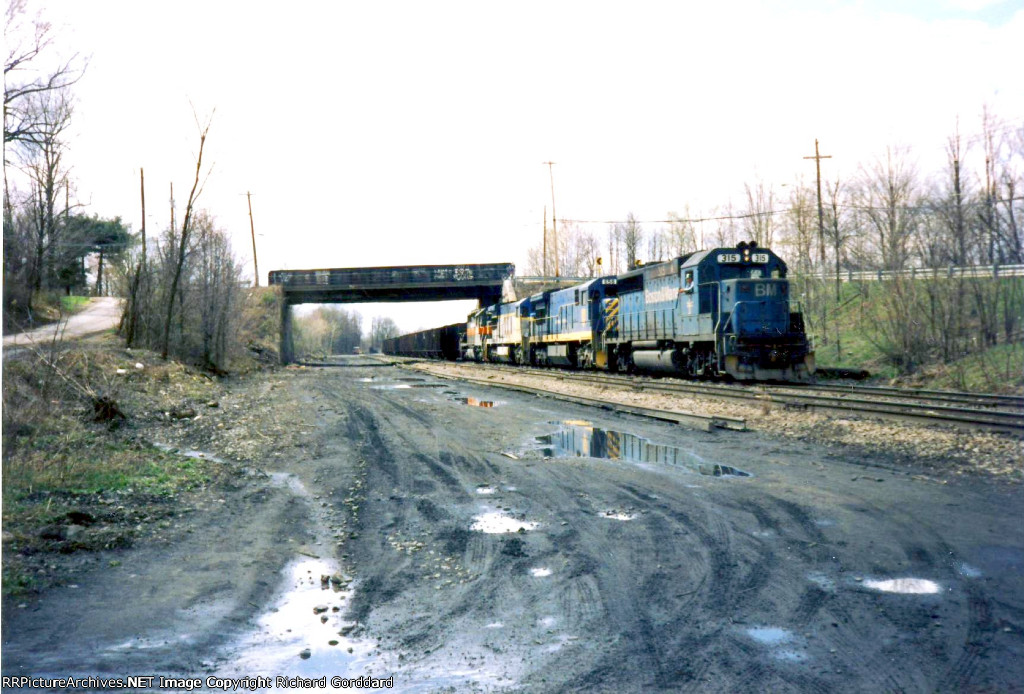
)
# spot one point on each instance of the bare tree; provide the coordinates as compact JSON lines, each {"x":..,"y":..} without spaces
{"x":381,"y":328}
{"x":42,"y":159}
{"x":23,"y":80}
{"x":681,"y":234}
{"x":802,"y":227}
{"x":759,"y":224}
{"x":632,"y":235}
{"x":886,"y":195}
{"x":183,"y":241}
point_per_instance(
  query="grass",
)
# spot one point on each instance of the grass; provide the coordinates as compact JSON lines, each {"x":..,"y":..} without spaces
{"x":72,"y":304}
{"x":999,"y":368}
{"x":57,"y":459}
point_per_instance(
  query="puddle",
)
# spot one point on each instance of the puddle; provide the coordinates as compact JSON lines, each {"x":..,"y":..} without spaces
{"x":769,"y":636}
{"x":392,"y":386}
{"x":905,"y":586}
{"x":617,"y":515}
{"x":540,"y":572}
{"x":473,"y":402}
{"x":294,"y":624}
{"x":783,"y":644}
{"x":485,"y":490}
{"x":500,"y":522}
{"x":578,"y":439}
{"x":306,"y":617}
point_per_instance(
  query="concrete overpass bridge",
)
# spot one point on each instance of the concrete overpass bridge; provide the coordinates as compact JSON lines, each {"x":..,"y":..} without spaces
{"x":484,"y":282}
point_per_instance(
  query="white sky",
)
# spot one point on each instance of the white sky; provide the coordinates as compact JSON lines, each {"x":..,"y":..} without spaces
{"x":388,"y":133}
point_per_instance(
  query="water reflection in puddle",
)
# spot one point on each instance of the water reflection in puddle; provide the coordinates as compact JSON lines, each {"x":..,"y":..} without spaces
{"x":577,"y":439}
{"x":540,"y":572}
{"x":473,"y":402}
{"x":296,"y":624}
{"x":906,"y":586}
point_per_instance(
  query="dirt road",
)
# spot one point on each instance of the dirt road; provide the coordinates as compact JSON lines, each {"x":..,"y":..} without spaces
{"x":472,"y":539}
{"x":102,"y":313}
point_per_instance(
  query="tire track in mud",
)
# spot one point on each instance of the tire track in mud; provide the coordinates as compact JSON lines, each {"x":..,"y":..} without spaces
{"x":732,"y":557}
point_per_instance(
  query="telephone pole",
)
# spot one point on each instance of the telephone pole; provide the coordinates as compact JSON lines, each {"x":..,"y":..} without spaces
{"x":252,"y":230}
{"x":821,"y":214}
{"x":554,"y":219}
{"x":544,"y":257}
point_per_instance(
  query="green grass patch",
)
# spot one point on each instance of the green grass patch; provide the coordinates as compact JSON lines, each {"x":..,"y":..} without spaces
{"x":72,"y":304}
{"x":82,"y":462}
{"x":859,"y":333}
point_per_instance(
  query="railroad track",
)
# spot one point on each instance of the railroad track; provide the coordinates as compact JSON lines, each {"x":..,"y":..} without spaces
{"x":969,"y":411}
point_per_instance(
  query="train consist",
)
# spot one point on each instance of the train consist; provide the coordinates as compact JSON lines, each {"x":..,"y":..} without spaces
{"x":719,"y":312}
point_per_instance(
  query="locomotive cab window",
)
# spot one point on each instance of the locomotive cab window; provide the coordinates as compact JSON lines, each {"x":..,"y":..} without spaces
{"x":688,"y":281}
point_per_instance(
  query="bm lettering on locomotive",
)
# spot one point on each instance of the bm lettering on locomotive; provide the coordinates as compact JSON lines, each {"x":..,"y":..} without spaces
{"x":762,"y":289}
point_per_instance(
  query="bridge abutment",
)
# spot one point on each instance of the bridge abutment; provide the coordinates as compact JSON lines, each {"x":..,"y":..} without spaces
{"x":287,"y":350}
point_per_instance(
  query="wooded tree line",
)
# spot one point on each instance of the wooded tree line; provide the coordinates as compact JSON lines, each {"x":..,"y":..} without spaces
{"x":888,"y":216}
{"x":182,"y":287}
{"x":47,"y":237}
{"x":328,"y":330}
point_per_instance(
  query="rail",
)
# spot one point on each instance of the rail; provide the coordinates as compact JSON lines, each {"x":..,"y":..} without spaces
{"x":977,"y":417}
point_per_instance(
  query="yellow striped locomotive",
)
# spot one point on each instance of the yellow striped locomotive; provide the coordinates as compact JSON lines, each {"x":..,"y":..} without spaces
{"x":719,"y":312}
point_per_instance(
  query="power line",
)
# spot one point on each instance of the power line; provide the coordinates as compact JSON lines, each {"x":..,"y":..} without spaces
{"x":768,"y":213}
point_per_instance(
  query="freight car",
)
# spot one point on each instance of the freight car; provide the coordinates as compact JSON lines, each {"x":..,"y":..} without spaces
{"x":436,"y":343}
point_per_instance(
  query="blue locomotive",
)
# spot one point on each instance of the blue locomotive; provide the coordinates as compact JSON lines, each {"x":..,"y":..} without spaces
{"x":710,"y":313}
{"x":718,"y":312}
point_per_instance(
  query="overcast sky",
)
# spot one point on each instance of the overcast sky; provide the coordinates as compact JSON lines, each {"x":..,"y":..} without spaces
{"x":388,"y":133}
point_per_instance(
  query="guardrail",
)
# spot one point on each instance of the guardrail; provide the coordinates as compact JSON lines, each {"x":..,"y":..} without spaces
{"x":968,"y":271}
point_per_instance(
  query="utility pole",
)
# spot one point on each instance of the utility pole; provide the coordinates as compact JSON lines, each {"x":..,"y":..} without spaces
{"x":252,"y":230}
{"x":821,"y":214}
{"x":142,"y":189}
{"x":545,"y":256}
{"x":172,"y":207}
{"x":554,"y":219}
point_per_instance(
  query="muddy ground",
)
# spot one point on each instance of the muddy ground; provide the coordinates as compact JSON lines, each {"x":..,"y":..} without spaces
{"x":371,"y":520}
